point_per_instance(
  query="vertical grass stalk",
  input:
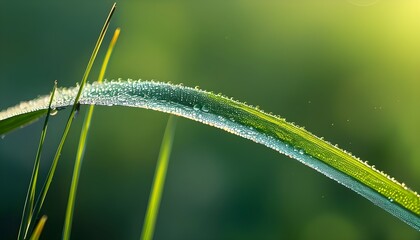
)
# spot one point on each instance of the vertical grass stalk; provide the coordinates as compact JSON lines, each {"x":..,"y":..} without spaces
{"x":82,"y":146}
{"x":159,"y":180}
{"x":72,"y":113}
{"x":53,"y":167}
{"x":30,"y":195}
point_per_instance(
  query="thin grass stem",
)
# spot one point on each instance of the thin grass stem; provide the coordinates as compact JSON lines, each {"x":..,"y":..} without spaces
{"x":159,"y":180}
{"x":108,"y":55}
{"x":82,"y":147}
{"x":39,"y":227}
{"x":53,"y":167}
{"x":30,"y":195}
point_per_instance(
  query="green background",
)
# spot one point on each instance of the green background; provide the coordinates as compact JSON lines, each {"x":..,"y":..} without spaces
{"x":347,"y":70}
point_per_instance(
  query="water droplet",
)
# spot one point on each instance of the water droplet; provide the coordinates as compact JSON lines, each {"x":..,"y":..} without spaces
{"x":3,"y":136}
{"x":205,"y":108}
{"x":53,"y":111}
{"x":196,"y":107}
{"x":301,"y":152}
{"x":390,"y":199}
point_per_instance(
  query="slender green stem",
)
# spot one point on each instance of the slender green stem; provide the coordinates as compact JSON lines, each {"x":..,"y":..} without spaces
{"x":39,"y":227}
{"x":108,"y":54}
{"x":82,"y":147}
{"x":159,"y":180}
{"x":51,"y":172}
{"x":30,"y":196}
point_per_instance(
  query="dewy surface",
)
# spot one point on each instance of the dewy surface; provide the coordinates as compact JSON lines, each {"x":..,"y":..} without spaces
{"x":240,"y":119}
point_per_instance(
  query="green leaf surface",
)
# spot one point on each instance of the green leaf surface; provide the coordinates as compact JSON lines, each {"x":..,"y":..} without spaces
{"x":12,"y":123}
{"x":247,"y":122}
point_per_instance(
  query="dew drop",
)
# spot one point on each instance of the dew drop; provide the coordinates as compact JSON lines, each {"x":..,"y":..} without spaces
{"x":301,"y":152}
{"x":205,"y":108}
{"x":53,"y":111}
{"x":196,"y":107}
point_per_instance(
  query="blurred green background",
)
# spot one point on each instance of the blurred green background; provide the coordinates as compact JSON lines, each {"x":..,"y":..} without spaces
{"x":347,"y":70}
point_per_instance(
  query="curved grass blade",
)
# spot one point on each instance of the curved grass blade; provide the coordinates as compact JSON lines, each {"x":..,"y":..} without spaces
{"x":30,"y":195}
{"x":13,"y":123}
{"x":159,"y":180}
{"x":74,"y":105}
{"x":82,"y":147}
{"x":38,"y":229}
{"x":251,"y":123}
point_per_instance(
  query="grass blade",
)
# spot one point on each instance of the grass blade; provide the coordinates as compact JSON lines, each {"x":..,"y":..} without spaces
{"x":51,"y":172}
{"x":82,"y":146}
{"x":30,"y":196}
{"x":13,"y":123}
{"x":38,"y":229}
{"x":250,"y":123}
{"x":108,"y":54}
{"x":159,"y":180}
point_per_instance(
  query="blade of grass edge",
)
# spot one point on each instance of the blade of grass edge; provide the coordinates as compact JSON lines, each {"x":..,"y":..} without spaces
{"x":82,"y":146}
{"x":51,"y":172}
{"x":30,"y":195}
{"x":159,"y":180}
{"x":39,"y":228}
